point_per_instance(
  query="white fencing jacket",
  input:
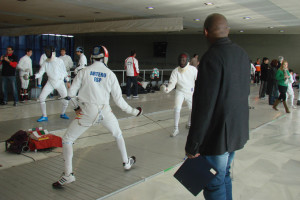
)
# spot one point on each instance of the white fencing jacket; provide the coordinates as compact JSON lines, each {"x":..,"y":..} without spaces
{"x":25,"y":66}
{"x":132,"y":66}
{"x":183,"y":79}
{"x":67,"y":61}
{"x":94,"y":85}
{"x":42,"y":59}
{"x":56,"y":71}
{"x":82,"y":63}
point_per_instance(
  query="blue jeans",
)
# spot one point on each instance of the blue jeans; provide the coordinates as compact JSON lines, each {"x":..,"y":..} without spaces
{"x":220,"y":188}
{"x":12,"y":80}
{"x":131,"y":79}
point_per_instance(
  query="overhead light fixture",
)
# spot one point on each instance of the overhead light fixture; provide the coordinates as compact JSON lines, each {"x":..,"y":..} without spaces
{"x":241,"y":31}
{"x":58,"y":35}
{"x":51,"y":34}
{"x":281,"y":31}
{"x":70,"y":36}
{"x":197,"y":20}
{"x":150,"y":8}
{"x":209,"y":4}
{"x":270,"y":27}
{"x":247,"y":18}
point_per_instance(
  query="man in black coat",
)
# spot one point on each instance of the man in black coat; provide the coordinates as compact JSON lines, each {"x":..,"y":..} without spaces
{"x":264,"y":77}
{"x":220,"y":113}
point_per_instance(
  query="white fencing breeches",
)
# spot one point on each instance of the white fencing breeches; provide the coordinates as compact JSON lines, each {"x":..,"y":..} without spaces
{"x":24,"y":83}
{"x":61,"y":89}
{"x":91,"y":115}
{"x":290,"y":95}
{"x":179,"y":98}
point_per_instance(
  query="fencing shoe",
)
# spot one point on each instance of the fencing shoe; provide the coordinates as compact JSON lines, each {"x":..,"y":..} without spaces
{"x":64,"y":180}
{"x":42,"y":119}
{"x":131,"y":161}
{"x":64,"y":116}
{"x":175,"y":132}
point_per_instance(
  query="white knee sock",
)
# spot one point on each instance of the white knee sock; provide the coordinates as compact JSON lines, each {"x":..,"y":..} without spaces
{"x":292,"y":100}
{"x":122,"y":148}
{"x":65,"y":106}
{"x":68,"y":155}
{"x":176,"y":118}
{"x":43,"y":107}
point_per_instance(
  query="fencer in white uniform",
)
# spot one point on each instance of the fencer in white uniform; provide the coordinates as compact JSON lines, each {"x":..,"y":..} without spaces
{"x":25,"y":69}
{"x":94,"y":86}
{"x":183,"y":78}
{"x":82,"y":63}
{"x":43,"y":58}
{"x":57,"y":76}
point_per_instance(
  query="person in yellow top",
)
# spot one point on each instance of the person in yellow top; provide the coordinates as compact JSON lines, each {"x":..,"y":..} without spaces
{"x":282,"y":77}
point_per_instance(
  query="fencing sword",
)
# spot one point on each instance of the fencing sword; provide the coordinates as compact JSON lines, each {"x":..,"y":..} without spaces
{"x":156,"y":123}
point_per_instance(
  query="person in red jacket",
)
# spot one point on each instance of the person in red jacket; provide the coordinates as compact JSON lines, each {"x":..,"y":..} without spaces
{"x":132,"y":71}
{"x":9,"y":63}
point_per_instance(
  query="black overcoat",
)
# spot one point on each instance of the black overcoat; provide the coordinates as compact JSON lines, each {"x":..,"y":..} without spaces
{"x":220,"y":113}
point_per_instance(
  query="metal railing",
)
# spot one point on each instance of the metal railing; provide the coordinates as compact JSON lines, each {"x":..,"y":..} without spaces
{"x":161,"y":74}
{"x":143,"y":71}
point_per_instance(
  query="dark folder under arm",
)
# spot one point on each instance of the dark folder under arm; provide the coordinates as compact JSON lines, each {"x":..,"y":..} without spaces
{"x":195,"y":174}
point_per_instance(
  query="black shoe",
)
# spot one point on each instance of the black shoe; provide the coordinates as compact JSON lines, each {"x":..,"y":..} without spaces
{"x":298,"y":103}
{"x":3,"y":103}
{"x":16,"y":103}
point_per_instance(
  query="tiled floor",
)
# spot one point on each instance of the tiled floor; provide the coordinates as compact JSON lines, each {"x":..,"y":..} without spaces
{"x":267,"y":168}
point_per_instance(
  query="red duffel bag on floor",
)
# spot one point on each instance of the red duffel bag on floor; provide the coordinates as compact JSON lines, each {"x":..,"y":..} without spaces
{"x":45,"y":142}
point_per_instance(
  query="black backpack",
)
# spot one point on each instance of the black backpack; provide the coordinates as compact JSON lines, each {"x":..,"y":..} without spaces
{"x":17,"y":143}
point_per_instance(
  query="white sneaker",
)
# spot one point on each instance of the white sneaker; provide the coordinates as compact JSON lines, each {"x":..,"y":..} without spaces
{"x":128,"y":97}
{"x":64,"y":180}
{"x":131,"y":161}
{"x":135,"y":97}
{"x":295,"y":107}
{"x":175,"y":132}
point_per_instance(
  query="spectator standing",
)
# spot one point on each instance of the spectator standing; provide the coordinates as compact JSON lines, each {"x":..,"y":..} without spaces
{"x":263,"y":77}
{"x":272,"y":82}
{"x":282,"y":77}
{"x":67,"y":61}
{"x":252,"y":71}
{"x":195,"y":61}
{"x":9,"y":64}
{"x":132,"y":71}
{"x":280,"y":60}
{"x":257,"y":70}
{"x":220,"y":113}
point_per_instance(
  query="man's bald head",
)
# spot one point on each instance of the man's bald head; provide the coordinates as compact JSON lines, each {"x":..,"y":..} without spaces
{"x":216,"y":26}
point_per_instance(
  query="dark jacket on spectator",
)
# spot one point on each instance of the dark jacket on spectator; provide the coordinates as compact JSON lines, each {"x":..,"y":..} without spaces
{"x":220,"y":112}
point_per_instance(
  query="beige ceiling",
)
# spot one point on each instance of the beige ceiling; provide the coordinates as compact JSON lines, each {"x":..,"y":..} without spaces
{"x":280,"y":14}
